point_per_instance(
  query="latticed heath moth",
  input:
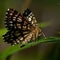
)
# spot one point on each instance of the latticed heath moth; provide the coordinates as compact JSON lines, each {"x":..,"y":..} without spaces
{"x":22,"y":28}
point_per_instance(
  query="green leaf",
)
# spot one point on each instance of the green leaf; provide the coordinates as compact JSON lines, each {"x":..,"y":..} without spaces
{"x":44,"y":24}
{"x":13,"y":49}
{"x":2,"y":32}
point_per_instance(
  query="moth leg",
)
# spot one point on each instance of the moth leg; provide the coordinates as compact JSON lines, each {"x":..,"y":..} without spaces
{"x":42,"y":33}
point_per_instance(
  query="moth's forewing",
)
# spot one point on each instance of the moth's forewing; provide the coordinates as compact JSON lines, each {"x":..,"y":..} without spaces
{"x":10,"y":19}
{"x":18,"y":28}
{"x":30,"y":17}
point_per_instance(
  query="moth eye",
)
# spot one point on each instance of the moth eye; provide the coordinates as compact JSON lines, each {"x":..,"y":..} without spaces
{"x":26,"y":13}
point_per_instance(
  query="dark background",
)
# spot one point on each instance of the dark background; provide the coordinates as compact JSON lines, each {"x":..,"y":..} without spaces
{"x":45,"y":11}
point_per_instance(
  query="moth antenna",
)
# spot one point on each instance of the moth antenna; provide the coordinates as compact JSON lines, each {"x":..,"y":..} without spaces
{"x":44,"y":35}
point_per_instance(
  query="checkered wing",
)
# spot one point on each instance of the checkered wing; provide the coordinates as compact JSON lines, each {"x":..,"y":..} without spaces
{"x":15,"y":36}
{"x":18,"y":27}
{"x":30,"y":17}
{"x":21,"y":28}
{"x":15,"y":20}
{"x":10,"y":19}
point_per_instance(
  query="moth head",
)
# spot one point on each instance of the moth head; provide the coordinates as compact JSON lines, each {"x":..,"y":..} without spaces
{"x":30,"y":17}
{"x":26,"y":12}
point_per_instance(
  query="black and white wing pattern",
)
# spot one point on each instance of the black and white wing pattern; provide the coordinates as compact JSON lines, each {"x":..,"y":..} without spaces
{"x":30,"y":17}
{"x":10,"y":19}
{"x":14,"y":36}
{"x":14,"y":20}
{"x":21,"y":28}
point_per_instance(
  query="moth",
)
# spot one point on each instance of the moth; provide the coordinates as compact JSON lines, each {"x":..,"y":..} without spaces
{"x":22,"y":28}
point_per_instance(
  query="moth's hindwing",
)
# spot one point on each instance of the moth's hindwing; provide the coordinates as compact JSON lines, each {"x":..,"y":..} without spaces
{"x":15,"y":36}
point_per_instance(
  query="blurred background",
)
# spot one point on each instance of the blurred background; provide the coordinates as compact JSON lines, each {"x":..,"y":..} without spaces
{"x":45,"y":11}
